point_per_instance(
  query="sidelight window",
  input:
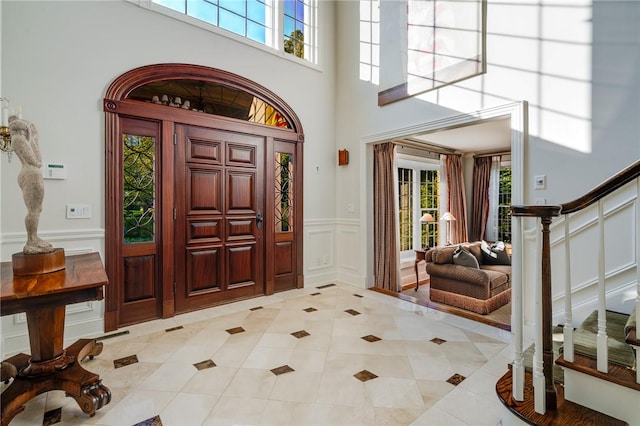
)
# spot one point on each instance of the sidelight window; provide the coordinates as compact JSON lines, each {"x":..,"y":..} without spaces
{"x":284,"y":192}
{"x":139,"y":188}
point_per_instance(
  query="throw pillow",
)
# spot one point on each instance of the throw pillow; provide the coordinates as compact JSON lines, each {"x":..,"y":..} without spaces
{"x":463,"y":258}
{"x":494,"y":254}
{"x":444,"y":255}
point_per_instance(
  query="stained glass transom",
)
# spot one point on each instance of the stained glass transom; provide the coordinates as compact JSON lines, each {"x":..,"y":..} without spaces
{"x":210,"y":98}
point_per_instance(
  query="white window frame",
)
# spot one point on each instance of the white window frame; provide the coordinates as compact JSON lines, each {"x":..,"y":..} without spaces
{"x":276,"y":43}
{"x":417,"y":165}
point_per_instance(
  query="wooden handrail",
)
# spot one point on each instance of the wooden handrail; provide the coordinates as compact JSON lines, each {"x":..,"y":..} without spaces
{"x":546,"y":213}
{"x":604,"y":189}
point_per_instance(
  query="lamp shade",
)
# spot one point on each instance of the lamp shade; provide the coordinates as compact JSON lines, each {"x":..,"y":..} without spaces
{"x":427,"y":218}
{"x":448,"y":217}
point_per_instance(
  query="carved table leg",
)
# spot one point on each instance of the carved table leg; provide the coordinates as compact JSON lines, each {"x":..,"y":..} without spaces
{"x":83,"y":386}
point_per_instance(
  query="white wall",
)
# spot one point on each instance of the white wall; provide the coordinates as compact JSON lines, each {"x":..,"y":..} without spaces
{"x":576,"y":63}
{"x":58,"y":58}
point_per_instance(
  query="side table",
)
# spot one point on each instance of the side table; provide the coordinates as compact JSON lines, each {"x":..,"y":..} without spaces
{"x":420,"y":256}
{"x":43,"y":297}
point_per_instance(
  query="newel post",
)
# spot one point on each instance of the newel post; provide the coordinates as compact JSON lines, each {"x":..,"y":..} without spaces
{"x":545,"y":213}
{"x":547,"y":335}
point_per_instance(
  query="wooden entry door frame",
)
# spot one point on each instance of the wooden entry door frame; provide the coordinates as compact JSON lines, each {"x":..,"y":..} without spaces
{"x":277,"y":140}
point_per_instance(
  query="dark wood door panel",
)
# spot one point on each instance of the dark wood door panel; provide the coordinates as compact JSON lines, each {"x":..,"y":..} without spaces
{"x":284,"y":258}
{"x":241,"y":266}
{"x":207,"y":229}
{"x":241,"y":155}
{"x":139,"y":291}
{"x":204,"y":270}
{"x":204,"y":190}
{"x":204,"y":151}
{"x":241,"y":192}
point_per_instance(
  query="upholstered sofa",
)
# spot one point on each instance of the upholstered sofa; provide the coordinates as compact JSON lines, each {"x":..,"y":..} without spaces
{"x":480,"y":289}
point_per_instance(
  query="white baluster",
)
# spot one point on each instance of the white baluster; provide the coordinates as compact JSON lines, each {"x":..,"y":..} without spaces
{"x":568,"y":316}
{"x":540,"y":403}
{"x":602,"y":343}
{"x":517,"y":319}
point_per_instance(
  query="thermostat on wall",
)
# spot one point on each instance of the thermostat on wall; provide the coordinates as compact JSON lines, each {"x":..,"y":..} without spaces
{"x":54,"y":171}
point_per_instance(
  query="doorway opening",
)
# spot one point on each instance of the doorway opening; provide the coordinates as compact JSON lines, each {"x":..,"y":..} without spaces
{"x":445,"y":135}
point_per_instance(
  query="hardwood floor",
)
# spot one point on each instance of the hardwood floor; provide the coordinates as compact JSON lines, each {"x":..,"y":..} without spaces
{"x":500,"y":318}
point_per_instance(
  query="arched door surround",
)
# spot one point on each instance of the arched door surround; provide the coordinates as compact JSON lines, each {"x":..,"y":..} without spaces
{"x":203,"y":192}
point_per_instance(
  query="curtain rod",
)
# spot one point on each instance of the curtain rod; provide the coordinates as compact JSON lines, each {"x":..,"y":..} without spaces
{"x":492,"y":154}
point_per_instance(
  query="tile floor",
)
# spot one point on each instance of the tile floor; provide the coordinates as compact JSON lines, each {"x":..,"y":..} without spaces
{"x":328,"y":355}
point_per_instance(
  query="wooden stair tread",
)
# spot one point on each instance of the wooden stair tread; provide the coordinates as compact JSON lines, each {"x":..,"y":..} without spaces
{"x":568,"y":413}
{"x":617,"y":374}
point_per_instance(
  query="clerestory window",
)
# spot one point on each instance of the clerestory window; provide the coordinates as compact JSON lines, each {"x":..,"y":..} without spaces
{"x":287,"y":26}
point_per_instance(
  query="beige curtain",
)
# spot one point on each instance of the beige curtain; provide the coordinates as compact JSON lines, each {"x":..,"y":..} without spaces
{"x":457,"y":201}
{"x":385,"y":240}
{"x":480,"y":201}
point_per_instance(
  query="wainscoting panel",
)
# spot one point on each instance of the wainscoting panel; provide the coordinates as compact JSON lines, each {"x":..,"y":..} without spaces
{"x":84,"y":319}
{"x":621,"y":229}
{"x":319,"y":252}
{"x":350,"y":252}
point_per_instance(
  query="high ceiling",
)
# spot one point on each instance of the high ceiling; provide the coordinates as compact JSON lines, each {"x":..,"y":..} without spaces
{"x":490,"y":135}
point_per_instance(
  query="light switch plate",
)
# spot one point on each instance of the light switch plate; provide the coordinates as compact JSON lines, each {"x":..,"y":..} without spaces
{"x":540,"y":182}
{"x":78,"y":211}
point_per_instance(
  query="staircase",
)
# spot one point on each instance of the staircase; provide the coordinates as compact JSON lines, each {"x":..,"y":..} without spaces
{"x":601,"y":382}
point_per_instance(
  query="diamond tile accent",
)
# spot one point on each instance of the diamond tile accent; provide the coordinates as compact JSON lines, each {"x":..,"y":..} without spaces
{"x":204,"y":364}
{"x":256,"y":308}
{"x":358,"y":295}
{"x":456,"y":379}
{"x":365,"y":375}
{"x":310,"y":310}
{"x":127,"y":360}
{"x":438,"y":341}
{"x":352,"y":312}
{"x":325,"y":286}
{"x":52,"y":417}
{"x":153,"y":421}
{"x":235,"y":330}
{"x":282,"y":370}
{"x":315,"y":294}
{"x":174,"y":328}
{"x":371,"y":338}
{"x":300,"y":334}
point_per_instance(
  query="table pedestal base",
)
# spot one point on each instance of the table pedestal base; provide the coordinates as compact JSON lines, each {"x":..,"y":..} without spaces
{"x":83,"y":386}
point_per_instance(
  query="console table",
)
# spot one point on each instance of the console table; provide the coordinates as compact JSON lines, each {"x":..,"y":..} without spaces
{"x":43,"y":297}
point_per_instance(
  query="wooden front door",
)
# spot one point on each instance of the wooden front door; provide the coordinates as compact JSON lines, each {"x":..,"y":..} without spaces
{"x":219,"y":251}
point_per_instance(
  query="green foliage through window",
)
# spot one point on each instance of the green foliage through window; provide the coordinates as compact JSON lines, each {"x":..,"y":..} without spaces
{"x":504,"y":205}
{"x":138,"y":165}
{"x":416,"y":199}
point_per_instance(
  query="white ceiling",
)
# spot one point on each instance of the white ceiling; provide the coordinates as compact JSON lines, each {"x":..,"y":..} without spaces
{"x":490,"y":135}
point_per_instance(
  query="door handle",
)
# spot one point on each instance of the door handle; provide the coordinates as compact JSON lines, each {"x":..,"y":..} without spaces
{"x":259,"y":220}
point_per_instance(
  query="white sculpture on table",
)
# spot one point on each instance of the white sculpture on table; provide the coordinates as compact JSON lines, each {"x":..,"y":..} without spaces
{"x":24,"y":142}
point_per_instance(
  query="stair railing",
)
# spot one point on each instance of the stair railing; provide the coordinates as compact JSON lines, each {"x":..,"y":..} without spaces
{"x":546,"y":397}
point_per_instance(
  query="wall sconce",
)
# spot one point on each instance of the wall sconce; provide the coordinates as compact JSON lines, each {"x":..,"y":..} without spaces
{"x":5,"y":136}
{"x":343,"y":157}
